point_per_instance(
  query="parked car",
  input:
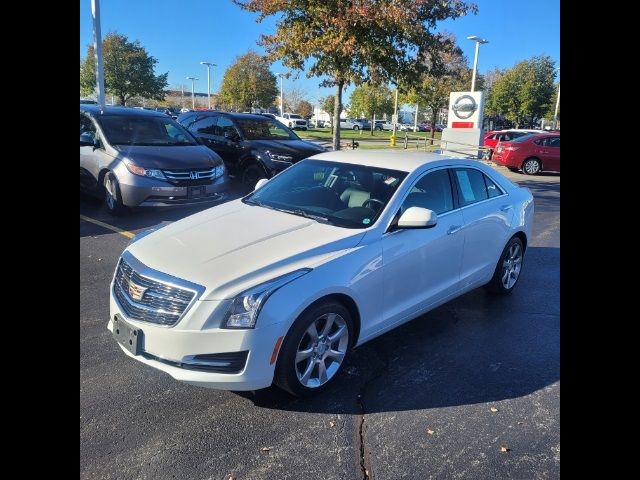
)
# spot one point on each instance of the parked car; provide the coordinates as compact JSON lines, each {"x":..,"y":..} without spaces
{"x":364,"y":123}
{"x":440,"y":127}
{"x":352,"y":124}
{"x":252,"y":146}
{"x":134,"y":157}
{"x":379,"y":125}
{"x":317,"y":123}
{"x":491,"y":139}
{"x":293,"y":121}
{"x":532,"y":153}
{"x":280,"y":286}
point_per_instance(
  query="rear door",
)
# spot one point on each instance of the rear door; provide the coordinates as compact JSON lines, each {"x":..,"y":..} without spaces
{"x":487,"y":215}
{"x":551,"y":160}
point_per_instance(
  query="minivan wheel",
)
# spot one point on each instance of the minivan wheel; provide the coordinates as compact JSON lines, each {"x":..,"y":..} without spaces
{"x":531,"y":166}
{"x":356,"y":127}
{"x":314,"y":349}
{"x":507,"y":272}
{"x":252,"y":173}
{"x":112,"y":195}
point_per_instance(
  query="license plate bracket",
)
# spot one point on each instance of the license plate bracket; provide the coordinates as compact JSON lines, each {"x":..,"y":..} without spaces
{"x":127,"y":335}
{"x":199,"y":191}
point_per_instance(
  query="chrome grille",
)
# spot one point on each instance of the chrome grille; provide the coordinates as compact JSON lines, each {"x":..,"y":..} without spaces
{"x":191,"y":174}
{"x":160,"y":303}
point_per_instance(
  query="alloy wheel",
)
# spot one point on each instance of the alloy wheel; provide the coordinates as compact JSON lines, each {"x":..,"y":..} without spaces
{"x":511,"y":266}
{"x":321,"y":350}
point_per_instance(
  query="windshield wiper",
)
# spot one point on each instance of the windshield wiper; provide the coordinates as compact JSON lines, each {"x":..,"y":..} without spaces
{"x":302,"y":213}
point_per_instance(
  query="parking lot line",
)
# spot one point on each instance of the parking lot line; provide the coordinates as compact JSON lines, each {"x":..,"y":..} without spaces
{"x":124,"y":233}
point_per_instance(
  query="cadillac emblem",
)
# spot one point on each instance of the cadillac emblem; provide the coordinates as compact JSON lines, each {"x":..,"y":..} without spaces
{"x":136,"y":292}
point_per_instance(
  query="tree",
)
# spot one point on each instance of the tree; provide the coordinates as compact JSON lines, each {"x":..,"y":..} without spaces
{"x":128,"y":70}
{"x":292,"y":97}
{"x":525,"y":92}
{"x":371,"y":100}
{"x":354,"y":41}
{"x":328,"y":104}
{"x":304,"y":109}
{"x":448,"y":73}
{"x":248,"y":83}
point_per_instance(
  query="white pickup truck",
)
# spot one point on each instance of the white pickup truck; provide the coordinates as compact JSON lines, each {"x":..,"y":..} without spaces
{"x":293,"y":120}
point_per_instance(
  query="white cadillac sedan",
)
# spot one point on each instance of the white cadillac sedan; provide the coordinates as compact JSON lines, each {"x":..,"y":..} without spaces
{"x":279,"y":286}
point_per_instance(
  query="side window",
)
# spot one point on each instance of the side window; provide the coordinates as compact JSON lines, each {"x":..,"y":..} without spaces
{"x":471,"y":186}
{"x":506,"y":137}
{"x":553,"y":142}
{"x":432,"y":191}
{"x":86,"y":125}
{"x":226,"y":125}
{"x":206,"y":125}
{"x":492,"y":189}
{"x":541,"y":141}
{"x":187,"y":119}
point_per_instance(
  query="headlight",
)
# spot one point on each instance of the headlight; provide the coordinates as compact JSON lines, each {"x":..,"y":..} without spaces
{"x":219,"y":171}
{"x":244,"y":309}
{"x":145,"y":172}
{"x":278,"y":157}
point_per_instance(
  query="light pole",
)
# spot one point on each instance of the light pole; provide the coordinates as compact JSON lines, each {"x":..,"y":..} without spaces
{"x":209,"y":65}
{"x":281,"y":75}
{"x":193,"y":95}
{"x":97,"y":47}
{"x":478,"y":41}
{"x":555,"y":113}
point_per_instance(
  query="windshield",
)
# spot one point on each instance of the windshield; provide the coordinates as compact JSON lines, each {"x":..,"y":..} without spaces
{"x":341,"y":194}
{"x":144,"y":130}
{"x":265,"y":129}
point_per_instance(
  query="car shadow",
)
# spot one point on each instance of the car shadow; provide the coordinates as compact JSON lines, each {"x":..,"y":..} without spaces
{"x":475,"y":349}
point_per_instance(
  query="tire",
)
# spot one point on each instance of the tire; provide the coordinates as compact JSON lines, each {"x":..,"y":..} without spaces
{"x":299,"y":343}
{"x":508,"y":269}
{"x":251,"y":174}
{"x":487,"y":155}
{"x":513,"y":169}
{"x":290,"y":125}
{"x":531,"y":166}
{"x":356,"y":127}
{"x":112,"y":196}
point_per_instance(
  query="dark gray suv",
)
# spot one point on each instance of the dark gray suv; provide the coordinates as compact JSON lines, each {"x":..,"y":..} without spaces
{"x":134,"y":157}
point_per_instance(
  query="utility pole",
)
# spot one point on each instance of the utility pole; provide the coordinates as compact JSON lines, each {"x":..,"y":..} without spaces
{"x":97,"y":46}
{"x":193,"y":95}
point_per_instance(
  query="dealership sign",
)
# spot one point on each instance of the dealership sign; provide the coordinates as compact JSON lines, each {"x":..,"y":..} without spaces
{"x":465,"y":110}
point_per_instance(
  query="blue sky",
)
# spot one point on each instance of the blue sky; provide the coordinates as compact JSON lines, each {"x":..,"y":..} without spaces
{"x":182,"y":33}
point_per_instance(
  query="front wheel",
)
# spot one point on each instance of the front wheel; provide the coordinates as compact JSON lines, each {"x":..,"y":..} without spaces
{"x":314,"y":349}
{"x":531,"y":166}
{"x":112,"y":195}
{"x":508,"y":269}
{"x":356,"y":127}
{"x":252,"y":173}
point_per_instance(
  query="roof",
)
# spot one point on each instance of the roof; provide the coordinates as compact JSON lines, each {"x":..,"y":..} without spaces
{"x":407,"y":162}
{"x":239,"y":116}
{"x":127,"y":111}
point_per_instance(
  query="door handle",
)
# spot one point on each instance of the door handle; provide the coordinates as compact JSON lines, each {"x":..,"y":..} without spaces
{"x":505,"y":208}
{"x":453,"y":229}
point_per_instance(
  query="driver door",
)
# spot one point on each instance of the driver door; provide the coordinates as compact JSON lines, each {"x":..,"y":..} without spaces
{"x":422,"y":266}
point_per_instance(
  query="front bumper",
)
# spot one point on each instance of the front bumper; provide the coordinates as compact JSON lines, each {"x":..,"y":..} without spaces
{"x":174,"y":344}
{"x":140,"y":191}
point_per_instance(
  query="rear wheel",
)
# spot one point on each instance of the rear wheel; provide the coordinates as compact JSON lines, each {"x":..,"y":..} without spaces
{"x":531,"y":166}
{"x":112,"y":195}
{"x":508,"y":269}
{"x":356,"y":127}
{"x":314,"y":349}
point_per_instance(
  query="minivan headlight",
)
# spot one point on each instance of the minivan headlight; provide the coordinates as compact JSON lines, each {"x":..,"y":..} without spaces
{"x":245,"y":307}
{"x":145,"y":172}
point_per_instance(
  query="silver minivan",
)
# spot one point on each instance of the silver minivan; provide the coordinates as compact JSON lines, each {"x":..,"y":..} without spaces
{"x":134,"y":158}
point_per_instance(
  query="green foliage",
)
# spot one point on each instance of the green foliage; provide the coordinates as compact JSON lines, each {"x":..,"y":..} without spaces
{"x":525,"y":92}
{"x":355,"y":41}
{"x":328,"y":104}
{"x":367,"y":100}
{"x":248,"y":82}
{"x":128,"y":70}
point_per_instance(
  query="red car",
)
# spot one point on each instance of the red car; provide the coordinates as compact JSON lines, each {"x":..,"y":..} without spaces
{"x":531,"y":153}
{"x":491,"y":139}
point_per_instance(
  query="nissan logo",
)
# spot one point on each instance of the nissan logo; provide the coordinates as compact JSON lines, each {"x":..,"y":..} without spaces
{"x":193,"y":175}
{"x":464,"y":107}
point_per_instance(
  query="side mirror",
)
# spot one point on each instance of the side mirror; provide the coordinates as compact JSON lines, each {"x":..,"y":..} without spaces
{"x":86,"y":140}
{"x":260,"y":183}
{"x":229,"y":135}
{"x":417,"y":217}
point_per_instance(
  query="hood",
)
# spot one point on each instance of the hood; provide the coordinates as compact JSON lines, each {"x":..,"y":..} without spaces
{"x":195,"y":156}
{"x":235,"y":246}
{"x":299,"y":149}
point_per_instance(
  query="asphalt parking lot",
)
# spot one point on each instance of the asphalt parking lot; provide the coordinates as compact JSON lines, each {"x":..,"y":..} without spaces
{"x":416,"y":403}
